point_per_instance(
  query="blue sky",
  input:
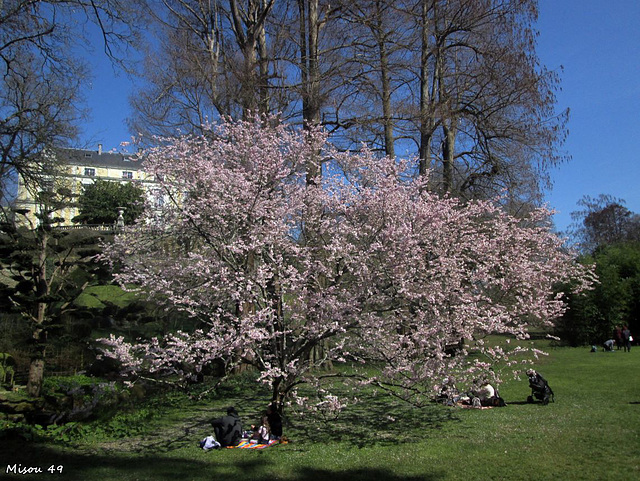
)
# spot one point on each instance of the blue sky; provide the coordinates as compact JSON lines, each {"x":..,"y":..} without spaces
{"x":596,"y":43}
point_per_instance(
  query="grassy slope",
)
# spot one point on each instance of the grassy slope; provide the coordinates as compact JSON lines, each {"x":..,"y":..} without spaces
{"x":95,"y":297}
{"x":591,"y":432}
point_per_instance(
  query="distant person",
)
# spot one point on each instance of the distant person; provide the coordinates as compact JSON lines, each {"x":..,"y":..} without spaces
{"x":627,"y":339}
{"x":275,"y":421}
{"x":228,"y":429}
{"x":617,"y":335}
{"x":608,"y":344}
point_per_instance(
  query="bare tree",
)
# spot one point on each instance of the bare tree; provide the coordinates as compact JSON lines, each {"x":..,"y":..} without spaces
{"x":39,"y":108}
{"x":494,"y":104}
{"x":186,"y":80}
{"x":603,"y":220}
{"x":248,"y":23}
{"x":461,"y":78}
{"x":208,"y":59}
{"x":370,"y":101}
{"x":40,"y":81}
{"x":36,"y":111}
{"x":38,"y":89}
{"x":456,"y":82}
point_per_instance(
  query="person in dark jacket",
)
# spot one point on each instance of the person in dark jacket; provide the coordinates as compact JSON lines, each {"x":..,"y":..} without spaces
{"x":228,"y":429}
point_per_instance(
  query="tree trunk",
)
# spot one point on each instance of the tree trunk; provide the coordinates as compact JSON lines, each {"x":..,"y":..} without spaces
{"x":36,"y":374}
{"x":263,"y":78}
{"x":309,"y":75}
{"x":446,"y":103}
{"x":36,"y":367}
{"x":277,"y":396}
{"x":249,"y":31}
{"x":448,"y":153}
{"x":387,"y":116}
{"x":426,"y":114}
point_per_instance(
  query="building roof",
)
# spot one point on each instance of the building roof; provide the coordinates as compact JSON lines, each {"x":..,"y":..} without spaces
{"x":98,"y":158}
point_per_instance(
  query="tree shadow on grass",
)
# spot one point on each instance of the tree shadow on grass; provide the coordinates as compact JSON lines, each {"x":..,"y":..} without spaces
{"x":18,"y":456}
{"x":376,"y":421}
{"x":248,"y":403}
{"x":170,"y":452}
{"x":85,"y":465}
{"x":361,"y":475}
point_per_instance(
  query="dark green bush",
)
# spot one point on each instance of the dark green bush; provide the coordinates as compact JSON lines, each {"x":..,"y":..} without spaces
{"x":614,"y":300}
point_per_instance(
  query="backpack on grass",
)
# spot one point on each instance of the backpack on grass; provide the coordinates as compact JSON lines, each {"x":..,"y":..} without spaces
{"x":209,"y":443}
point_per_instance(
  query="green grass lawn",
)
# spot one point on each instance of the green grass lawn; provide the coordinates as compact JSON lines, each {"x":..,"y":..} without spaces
{"x":591,"y":432}
{"x":95,"y":296}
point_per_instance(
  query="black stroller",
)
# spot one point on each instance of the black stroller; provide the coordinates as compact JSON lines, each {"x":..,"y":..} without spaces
{"x":540,"y":388}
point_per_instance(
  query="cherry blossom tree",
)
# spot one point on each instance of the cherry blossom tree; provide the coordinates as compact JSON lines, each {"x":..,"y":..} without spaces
{"x":364,"y":262}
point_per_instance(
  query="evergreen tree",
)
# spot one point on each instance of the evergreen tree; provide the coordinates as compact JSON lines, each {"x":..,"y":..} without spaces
{"x":99,"y":202}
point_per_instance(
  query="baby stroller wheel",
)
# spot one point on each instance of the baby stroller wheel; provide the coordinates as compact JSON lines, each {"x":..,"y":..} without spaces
{"x":530,"y":399}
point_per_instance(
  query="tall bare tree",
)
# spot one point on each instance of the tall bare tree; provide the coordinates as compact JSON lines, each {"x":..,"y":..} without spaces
{"x":457,"y":83}
{"x":370,"y":101}
{"x":38,"y":107}
{"x":40,"y":75}
{"x":248,"y":23}
{"x":492,"y":101}
{"x":186,"y":81}
{"x":40,"y":79}
{"x":462,"y":79}
{"x":207,"y":59}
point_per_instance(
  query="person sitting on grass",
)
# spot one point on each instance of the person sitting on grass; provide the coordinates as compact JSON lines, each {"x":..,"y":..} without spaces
{"x":485,"y":392}
{"x":228,"y":429}
{"x":486,"y":396}
{"x":262,"y":433}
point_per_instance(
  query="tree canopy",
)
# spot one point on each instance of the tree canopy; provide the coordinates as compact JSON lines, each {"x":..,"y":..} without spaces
{"x":99,"y":202}
{"x":608,"y":235}
{"x":363,"y":262}
{"x":603,"y":220}
{"x":458,"y":84}
{"x":613,"y":301}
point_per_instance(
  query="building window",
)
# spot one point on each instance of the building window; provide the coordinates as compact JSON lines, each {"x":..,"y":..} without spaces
{"x":89,"y":171}
{"x":127,"y":174}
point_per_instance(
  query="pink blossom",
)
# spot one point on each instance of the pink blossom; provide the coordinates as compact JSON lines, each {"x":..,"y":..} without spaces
{"x":365,"y":264}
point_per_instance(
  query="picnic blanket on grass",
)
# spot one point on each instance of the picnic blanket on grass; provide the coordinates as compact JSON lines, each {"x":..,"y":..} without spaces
{"x":248,"y":445}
